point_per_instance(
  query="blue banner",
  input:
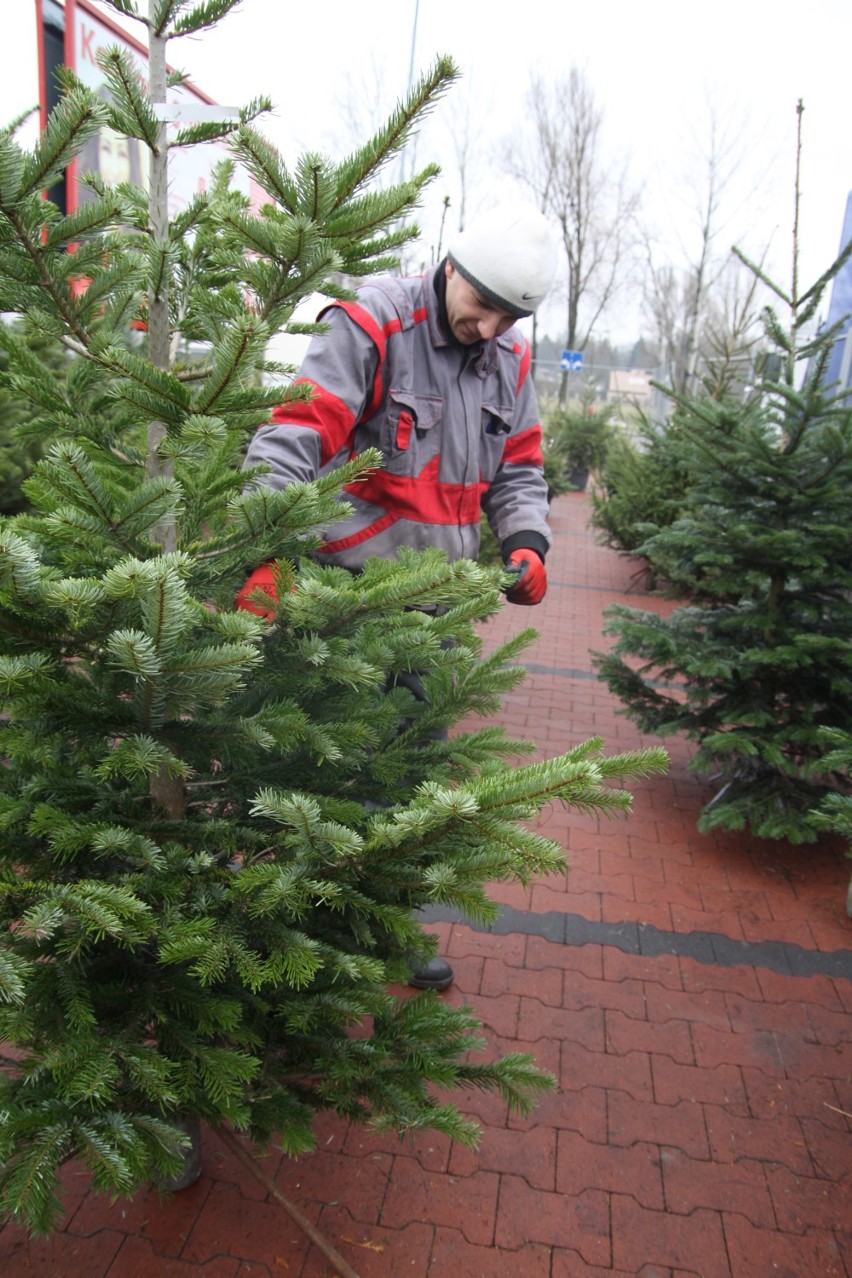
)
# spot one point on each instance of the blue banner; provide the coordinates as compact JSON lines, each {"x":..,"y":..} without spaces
{"x":571,"y":361}
{"x":840,"y":306}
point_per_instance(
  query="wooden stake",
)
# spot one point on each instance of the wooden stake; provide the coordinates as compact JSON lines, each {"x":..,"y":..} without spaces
{"x":239,"y":1151}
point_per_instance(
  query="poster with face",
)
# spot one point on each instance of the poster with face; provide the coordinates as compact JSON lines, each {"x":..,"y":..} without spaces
{"x":120,"y":159}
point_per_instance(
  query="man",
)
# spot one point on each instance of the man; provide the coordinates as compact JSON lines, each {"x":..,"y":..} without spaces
{"x":432,"y":372}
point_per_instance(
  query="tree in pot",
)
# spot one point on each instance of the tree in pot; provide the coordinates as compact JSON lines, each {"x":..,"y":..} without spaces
{"x":578,"y":439}
{"x":835,"y":811}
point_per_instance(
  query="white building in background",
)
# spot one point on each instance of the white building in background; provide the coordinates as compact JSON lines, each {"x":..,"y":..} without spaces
{"x":632,"y":386}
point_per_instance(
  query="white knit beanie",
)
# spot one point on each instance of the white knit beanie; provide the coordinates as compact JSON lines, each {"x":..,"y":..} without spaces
{"x":509,"y":256}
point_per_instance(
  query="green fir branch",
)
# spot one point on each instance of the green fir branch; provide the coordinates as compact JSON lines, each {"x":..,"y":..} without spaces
{"x":130,"y":109}
{"x":8,"y":131}
{"x":76,"y":119}
{"x":760,"y":274}
{"x":14,"y":976}
{"x":240,"y":348}
{"x":94,"y":215}
{"x":129,"y":9}
{"x":266,"y":166}
{"x":818,"y":288}
{"x":202,"y":16}
{"x":138,"y":758}
{"x":364,"y":164}
{"x":164,"y":12}
{"x":29,"y":1171}
{"x":136,"y":653}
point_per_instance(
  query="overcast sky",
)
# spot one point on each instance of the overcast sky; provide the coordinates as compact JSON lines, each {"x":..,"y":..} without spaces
{"x":653,"y":66}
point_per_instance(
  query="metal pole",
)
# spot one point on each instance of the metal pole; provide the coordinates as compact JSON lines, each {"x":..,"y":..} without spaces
{"x":166,"y":791}
{"x":413,"y":44}
{"x":402,"y":164}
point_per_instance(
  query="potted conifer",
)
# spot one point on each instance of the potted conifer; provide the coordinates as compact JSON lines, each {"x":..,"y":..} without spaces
{"x":579,"y":436}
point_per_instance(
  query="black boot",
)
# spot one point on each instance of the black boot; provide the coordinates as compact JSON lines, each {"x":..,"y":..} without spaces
{"x":434,"y":975}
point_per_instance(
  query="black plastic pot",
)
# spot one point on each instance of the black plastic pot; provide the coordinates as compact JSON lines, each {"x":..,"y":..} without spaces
{"x":191,"y":1169}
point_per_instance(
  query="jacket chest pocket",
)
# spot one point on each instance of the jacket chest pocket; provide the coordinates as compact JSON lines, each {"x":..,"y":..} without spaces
{"x":496,"y":419}
{"x":409,"y":438}
{"x":496,"y":428}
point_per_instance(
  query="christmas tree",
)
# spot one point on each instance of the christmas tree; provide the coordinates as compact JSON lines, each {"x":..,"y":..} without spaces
{"x":758,"y":660}
{"x":22,"y":438}
{"x":835,"y":812}
{"x":215,"y":827}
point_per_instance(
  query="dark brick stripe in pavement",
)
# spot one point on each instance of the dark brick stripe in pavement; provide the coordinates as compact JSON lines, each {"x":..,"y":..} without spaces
{"x":564,"y":672}
{"x":645,"y":939}
{"x":572,"y":672}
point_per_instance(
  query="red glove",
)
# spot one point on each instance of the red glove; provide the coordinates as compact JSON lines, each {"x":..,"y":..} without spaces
{"x":260,"y":579}
{"x":531,"y":584}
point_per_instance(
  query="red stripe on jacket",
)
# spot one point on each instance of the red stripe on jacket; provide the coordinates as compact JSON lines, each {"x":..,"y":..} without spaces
{"x":379,"y":336}
{"x":526,"y":361}
{"x":325,"y":413}
{"x":524,"y":449}
{"x":421,"y":498}
{"x":358,"y":538}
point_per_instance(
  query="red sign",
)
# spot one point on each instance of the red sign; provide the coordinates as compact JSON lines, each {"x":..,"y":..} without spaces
{"x":112,"y":155}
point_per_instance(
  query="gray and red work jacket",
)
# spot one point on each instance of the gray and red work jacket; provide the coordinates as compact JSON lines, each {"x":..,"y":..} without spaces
{"x":457,"y":428}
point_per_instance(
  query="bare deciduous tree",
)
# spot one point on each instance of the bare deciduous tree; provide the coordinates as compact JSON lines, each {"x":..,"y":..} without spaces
{"x":363,"y":100}
{"x":689,"y":281}
{"x":562,"y":163}
{"x":464,"y":124}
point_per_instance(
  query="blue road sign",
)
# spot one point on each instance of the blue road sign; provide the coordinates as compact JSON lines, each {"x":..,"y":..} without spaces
{"x":571,"y":361}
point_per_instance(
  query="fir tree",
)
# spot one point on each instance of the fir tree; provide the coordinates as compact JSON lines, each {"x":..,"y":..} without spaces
{"x":23,"y":434}
{"x":214,"y":828}
{"x":835,"y":811}
{"x":758,"y":661}
{"x":646,"y":475}
{"x":643,"y":484}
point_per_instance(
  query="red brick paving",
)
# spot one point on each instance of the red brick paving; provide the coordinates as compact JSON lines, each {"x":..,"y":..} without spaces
{"x":701,"y":1125}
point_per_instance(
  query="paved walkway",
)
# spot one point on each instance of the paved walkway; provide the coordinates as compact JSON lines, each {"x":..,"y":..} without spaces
{"x":691,"y":993}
